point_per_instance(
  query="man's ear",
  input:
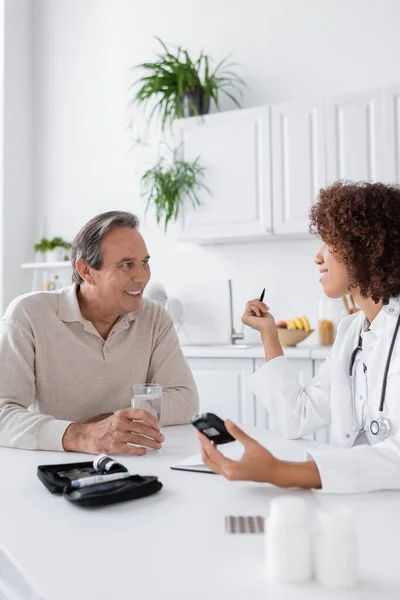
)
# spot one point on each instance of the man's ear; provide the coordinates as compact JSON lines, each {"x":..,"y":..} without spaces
{"x":84,"y":271}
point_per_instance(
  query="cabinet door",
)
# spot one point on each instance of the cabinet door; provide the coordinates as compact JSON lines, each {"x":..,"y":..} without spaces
{"x":304,"y":369}
{"x":298,"y":160}
{"x":355,"y":137}
{"x":221,"y":383}
{"x":234,"y":149}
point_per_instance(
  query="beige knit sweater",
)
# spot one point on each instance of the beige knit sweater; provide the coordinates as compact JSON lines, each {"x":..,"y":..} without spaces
{"x":55,"y":363}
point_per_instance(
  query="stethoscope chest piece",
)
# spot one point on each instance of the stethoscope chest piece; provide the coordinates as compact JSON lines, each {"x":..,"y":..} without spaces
{"x":380,"y":427}
{"x":374,"y":427}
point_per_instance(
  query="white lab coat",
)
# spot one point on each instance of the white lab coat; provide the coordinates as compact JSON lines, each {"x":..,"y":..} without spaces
{"x":326,"y":400}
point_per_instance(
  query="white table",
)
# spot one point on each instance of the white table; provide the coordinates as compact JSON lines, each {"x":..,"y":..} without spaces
{"x":171,"y":545}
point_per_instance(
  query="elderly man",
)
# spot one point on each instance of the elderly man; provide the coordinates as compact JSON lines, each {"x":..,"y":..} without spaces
{"x":70,"y":356}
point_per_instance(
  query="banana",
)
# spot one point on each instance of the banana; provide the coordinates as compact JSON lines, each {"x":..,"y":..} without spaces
{"x":299,"y":323}
{"x":306,"y":323}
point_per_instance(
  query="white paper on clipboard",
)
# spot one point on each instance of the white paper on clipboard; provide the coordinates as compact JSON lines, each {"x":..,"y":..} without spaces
{"x":234,"y":451}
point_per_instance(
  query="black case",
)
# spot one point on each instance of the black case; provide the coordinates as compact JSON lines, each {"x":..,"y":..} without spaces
{"x":100,"y":494}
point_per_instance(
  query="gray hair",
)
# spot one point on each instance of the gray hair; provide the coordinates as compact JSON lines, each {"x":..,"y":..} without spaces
{"x":87,"y":243}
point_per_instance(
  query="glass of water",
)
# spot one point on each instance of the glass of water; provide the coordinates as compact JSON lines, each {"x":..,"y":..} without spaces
{"x":147,"y":396}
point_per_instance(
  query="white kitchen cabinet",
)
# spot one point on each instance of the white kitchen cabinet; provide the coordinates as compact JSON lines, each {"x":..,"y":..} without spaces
{"x":355,"y":137}
{"x":304,"y":369}
{"x":221,"y":383}
{"x":298,"y":162}
{"x":234,"y":149}
{"x":265,"y":166}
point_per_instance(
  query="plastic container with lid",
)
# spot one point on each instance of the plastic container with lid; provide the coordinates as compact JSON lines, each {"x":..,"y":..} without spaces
{"x":330,"y":312}
{"x":336,"y":552}
{"x":288,"y":541}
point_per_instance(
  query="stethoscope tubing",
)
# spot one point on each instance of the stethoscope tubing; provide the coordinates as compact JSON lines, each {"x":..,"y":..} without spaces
{"x":389,"y":358}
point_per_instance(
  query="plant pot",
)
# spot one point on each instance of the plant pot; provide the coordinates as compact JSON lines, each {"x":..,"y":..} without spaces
{"x":57,"y":255}
{"x":195,"y":103}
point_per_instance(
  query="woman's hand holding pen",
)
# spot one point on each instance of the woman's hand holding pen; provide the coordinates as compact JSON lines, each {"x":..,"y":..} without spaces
{"x":257,"y":316}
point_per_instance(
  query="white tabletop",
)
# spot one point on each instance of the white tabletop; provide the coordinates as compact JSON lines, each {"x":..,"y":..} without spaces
{"x":171,"y":545}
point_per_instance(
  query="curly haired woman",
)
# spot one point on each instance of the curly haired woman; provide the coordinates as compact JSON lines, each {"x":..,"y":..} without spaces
{"x":357,"y":390}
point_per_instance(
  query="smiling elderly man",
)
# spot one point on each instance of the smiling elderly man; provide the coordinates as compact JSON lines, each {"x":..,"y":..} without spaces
{"x":70,"y":356}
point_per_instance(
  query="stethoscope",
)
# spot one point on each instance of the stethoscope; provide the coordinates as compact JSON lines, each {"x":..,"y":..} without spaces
{"x":380,"y":426}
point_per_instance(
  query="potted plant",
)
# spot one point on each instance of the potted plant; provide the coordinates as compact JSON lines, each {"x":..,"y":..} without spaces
{"x":54,"y":250}
{"x":167,"y":184}
{"x":183,"y":87}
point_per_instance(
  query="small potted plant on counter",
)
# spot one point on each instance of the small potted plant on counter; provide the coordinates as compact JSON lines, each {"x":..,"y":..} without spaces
{"x":54,"y":250}
{"x":182,"y":86}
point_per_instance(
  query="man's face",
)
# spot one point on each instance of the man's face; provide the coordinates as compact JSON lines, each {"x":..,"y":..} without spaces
{"x":125,"y":272}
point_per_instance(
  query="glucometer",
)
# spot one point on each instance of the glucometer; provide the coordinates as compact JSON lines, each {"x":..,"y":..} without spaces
{"x":212,"y":427}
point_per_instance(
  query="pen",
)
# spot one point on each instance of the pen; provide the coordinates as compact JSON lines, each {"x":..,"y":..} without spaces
{"x":262,"y":295}
{"x":85,"y":481}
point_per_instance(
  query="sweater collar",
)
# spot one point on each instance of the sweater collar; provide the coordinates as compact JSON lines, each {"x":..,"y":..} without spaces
{"x":69,"y":310}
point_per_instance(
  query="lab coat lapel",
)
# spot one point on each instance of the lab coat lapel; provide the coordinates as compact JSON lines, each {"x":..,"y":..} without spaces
{"x":342,"y":410}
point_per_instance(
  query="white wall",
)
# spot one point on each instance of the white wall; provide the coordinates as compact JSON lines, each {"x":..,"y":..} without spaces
{"x":286,"y":48}
{"x":1,"y":147}
{"x":17,"y":209}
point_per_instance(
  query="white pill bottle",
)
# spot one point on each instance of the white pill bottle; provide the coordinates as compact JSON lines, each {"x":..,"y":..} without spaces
{"x":336,"y":551}
{"x":288,"y":541}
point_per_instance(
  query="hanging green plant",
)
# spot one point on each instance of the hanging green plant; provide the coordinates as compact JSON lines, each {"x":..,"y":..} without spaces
{"x":183,"y":87}
{"x":167,"y":184}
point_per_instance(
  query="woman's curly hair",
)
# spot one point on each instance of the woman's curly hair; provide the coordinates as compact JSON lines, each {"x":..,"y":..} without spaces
{"x":361,"y":222}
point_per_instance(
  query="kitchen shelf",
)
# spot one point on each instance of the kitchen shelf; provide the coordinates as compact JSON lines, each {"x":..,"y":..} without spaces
{"x":47,"y":265}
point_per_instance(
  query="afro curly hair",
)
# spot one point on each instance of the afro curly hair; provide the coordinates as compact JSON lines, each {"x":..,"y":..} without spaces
{"x":360,"y":221}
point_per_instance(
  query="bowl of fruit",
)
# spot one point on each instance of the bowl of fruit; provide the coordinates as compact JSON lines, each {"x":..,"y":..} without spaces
{"x":293,"y":331}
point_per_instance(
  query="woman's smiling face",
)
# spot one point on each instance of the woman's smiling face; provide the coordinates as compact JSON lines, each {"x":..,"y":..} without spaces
{"x":334,"y":277}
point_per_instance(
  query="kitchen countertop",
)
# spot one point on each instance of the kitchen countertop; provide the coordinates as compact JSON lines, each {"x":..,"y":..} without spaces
{"x":252,"y":351}
{"x":321,"y":352}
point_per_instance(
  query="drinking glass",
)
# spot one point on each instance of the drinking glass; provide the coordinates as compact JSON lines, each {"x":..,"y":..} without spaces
{"x":147,"y":396}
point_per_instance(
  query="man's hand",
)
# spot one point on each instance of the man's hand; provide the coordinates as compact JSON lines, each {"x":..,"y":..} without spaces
{"x":257,"y":463}
{"x":115,"y":434}
{"x":99,"y":418}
